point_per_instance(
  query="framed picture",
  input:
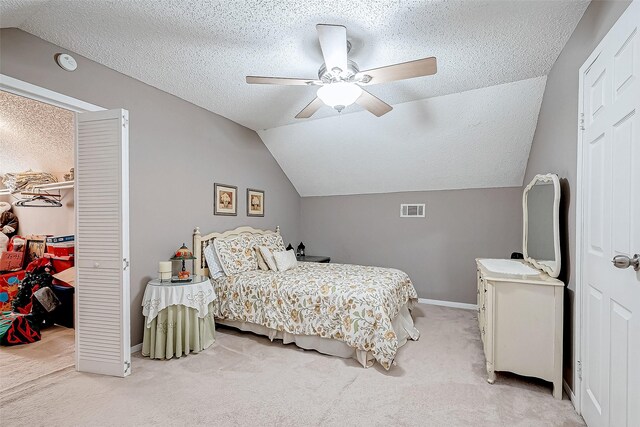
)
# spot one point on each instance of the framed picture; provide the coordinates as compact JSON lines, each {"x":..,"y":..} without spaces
{"x":36,"y":245}
{"x":225,"y":199}
{"x":255,"y":202}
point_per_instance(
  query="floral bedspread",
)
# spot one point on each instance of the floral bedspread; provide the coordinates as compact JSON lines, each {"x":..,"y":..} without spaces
{"x":351,"y":303}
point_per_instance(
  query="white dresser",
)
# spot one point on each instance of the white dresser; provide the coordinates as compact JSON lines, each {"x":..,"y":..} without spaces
{"x":520,"y":317}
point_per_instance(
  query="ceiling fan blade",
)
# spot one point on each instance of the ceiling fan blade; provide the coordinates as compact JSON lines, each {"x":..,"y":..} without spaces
{"x":373,"y":104}
{"x":333,"y":42}
{"x":406,"y":70}
{"x":310,"y":109}
{"x":258,"y":80}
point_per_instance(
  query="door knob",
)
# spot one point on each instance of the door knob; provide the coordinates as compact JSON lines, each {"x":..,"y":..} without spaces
{"x":623,"y":261}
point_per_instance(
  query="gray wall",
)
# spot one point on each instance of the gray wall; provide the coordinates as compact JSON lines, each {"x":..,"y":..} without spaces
{"x":177,"y":152}
{"x":437,"y":252}
{"x":554,"y":147}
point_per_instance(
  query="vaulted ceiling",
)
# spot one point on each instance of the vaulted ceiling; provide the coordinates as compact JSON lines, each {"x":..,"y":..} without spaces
{"x":475,"y":139}
{"x":201,"y":51}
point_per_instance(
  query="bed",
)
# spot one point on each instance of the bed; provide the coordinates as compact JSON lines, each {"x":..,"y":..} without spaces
{"x":343,"y":310}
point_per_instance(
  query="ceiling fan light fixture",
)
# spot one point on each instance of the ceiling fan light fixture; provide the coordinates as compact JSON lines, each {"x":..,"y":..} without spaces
{"x":339,"y":95}
{"x":340,"y":78}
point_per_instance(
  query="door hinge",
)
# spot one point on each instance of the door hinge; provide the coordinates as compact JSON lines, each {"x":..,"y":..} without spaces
{"x":581,"y":122}
{"x":125,"y":121}
{"x":127,"y":366}
{"x":125,"y":264}
{"x":579,"y":370}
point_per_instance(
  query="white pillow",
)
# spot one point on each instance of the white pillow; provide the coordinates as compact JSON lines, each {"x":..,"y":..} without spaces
{"x":213,"y":262}
{"x":285,"y":260}
{"x":268,"y":258}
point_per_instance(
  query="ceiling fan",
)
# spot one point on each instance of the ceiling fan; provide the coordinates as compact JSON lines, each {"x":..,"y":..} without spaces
{"x":341,"y":81}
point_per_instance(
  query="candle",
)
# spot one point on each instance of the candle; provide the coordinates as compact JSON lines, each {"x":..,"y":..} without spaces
{"x":165,"y":270}
{"x":165,"y":267}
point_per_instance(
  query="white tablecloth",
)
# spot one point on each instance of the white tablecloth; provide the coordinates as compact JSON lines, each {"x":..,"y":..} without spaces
{"x":197,"y":295}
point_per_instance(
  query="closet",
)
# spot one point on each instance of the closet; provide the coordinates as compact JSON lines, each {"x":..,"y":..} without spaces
{"x":37,"y":248}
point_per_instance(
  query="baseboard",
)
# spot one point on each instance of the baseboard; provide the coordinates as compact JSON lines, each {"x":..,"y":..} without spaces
{"x":570,"y":393}
{"x":136,"y":348}
{"x":448,"y":303}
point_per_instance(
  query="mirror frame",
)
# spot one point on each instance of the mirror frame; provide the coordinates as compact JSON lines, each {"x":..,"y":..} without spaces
{"x":551,"y":268}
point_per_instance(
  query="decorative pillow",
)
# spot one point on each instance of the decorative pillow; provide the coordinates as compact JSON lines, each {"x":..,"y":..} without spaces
{"x":285,"y":260}
{"x":215,"y":269}
{"x":236,"y":254}
{"x":271,"y":240}
{"x":261,"y":264}
{"x":267,"y":254}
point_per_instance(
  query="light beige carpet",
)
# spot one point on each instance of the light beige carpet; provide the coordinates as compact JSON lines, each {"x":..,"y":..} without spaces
{"x":244,"y":379}
{"x":21,"y":365}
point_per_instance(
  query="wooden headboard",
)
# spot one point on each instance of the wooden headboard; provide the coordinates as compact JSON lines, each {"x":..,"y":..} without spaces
{"x":200,"y":242}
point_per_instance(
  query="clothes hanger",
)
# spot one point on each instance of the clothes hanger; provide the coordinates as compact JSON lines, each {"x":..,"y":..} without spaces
{"x":44,"y":201}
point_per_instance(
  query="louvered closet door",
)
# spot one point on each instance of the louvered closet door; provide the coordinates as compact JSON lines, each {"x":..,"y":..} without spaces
{"x":102,"y":203}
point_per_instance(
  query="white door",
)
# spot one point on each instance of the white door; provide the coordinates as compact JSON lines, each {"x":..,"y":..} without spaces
{"x":102,"y":233}
{"x":610,"y":190}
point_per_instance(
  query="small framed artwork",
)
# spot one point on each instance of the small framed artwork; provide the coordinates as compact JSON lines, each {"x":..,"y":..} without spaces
{"x":225,"y":199}
{"x":255,"y":202}
{"x":36,"y":245}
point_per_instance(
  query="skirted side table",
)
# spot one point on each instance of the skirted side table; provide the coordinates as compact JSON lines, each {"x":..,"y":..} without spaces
{"x":178,"y":318}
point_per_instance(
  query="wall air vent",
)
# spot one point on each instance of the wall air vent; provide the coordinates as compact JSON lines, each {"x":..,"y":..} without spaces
{"x":412,"y":210}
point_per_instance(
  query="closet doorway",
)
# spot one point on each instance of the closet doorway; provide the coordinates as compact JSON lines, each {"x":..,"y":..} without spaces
{"x":97,"y":199}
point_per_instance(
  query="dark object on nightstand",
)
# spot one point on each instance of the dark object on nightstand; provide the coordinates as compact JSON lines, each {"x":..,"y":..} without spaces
{"x":300,"y":249}
{"x":310,"y":258}
{"x":289,"y":248}
{"x":517,"y":255}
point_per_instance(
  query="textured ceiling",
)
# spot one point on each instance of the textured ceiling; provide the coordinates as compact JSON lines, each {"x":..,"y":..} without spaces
{"x":469,"y":126}
{"x":479,"y":138}
{"x":201,"y":50}
{"x":34,"y":136}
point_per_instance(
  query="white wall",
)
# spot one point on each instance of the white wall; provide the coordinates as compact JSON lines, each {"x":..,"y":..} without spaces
{"x":475,"y":139}
{"x":51,"y":221}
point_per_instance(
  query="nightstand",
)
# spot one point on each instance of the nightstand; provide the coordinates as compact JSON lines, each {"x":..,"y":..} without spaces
{"x":310,"y":258}
{"x":178,"y":317}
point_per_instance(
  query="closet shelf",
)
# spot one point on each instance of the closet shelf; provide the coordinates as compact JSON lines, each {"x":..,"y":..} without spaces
{"x":54,"y":186}
{"x":41,"y":188}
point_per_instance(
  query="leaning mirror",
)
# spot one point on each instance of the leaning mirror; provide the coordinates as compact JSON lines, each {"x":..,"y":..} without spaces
{"x":541,"y":240}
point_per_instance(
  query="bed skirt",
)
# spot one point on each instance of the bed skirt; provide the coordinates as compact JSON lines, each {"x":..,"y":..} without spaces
{"x":402,"y":325}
